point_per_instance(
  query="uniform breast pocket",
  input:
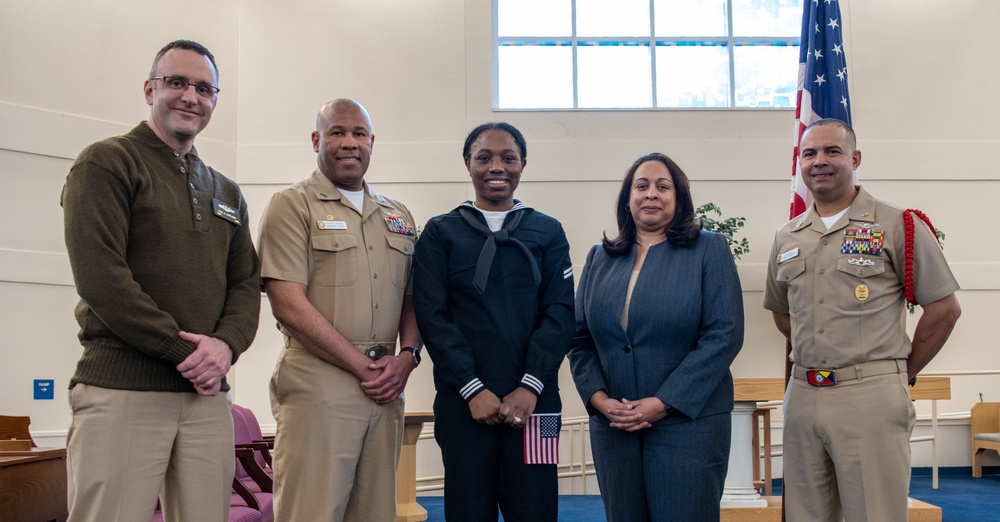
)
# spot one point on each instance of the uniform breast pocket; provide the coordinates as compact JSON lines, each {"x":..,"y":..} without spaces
{"x":335,"y":259}
{"x":789,"y":276}
{"x":400,"y":251}
{"x":789,"y":270}
{"x":861,"y":273}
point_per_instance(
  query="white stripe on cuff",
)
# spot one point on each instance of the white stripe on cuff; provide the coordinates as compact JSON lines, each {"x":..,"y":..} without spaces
{"x":533,"y":382}
{"x":472,"y":387}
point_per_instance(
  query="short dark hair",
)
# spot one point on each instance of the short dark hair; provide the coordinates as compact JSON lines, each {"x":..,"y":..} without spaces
{"x":852,"y":139}
{"x":187,"y":45}
{"x":682,"y":230}
{"x":495,"y":125}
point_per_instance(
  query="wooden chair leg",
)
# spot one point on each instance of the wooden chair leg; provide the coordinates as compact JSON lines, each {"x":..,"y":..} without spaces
{"x":762,"y":478}
{"x":768,"y":488}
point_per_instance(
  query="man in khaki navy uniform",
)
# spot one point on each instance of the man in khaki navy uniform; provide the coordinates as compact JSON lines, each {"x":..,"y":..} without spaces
{"x":335,"y":263}
{"x":835,"y":286}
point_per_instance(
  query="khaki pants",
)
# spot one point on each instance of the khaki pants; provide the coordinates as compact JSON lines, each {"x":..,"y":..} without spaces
{"x":336,"y":450}
{"x":126,"y":447}
{"x":847,"y":450}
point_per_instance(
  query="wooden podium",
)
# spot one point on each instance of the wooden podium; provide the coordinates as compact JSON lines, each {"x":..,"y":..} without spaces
{"x":740,"y":499}
{"x":407,"y":508}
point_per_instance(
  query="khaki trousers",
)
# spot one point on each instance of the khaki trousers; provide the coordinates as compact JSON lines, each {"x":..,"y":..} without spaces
{"x":126,"y":447}
{"x":847,"y":450}
{"x":336,"y":450}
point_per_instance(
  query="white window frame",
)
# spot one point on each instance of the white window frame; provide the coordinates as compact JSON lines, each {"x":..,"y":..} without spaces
{"x":730,"y":42}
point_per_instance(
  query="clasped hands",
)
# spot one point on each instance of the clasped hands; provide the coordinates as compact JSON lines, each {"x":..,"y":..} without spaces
{"x":385,"y":379}
{"x":207,"y":365}
{"x":629,"y":415}
{"x":514,"y":410}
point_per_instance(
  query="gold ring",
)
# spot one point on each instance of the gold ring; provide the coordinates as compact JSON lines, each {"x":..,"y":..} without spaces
{"x":517,"y":420}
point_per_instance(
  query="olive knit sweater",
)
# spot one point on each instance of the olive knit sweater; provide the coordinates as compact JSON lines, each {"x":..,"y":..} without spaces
{"x":158,"y":242}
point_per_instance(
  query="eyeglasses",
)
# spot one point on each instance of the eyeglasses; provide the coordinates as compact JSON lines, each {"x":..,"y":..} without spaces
{"x":180,"y":84}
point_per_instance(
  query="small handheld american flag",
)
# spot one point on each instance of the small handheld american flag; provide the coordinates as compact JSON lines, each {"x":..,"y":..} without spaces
{"x":541,"y":438}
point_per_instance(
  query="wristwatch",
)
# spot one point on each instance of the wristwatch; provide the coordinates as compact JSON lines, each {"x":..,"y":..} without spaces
{"x":414,"y":352}
{"x":913,"y":381}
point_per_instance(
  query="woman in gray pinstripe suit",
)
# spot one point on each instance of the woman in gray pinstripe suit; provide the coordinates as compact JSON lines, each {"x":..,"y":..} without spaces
{"x":659,"y":314}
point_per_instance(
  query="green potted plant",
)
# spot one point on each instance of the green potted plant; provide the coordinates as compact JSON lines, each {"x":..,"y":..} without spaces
{"x":728,"y":227}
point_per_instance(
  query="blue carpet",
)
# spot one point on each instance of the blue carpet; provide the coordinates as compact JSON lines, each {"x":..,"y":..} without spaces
{"x":960,"y":497}
{"x":572,"y":508}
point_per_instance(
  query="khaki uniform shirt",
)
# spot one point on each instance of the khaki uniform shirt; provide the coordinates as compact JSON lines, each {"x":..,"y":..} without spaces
{"x":843,"y":287}
{"x":356,"y":267}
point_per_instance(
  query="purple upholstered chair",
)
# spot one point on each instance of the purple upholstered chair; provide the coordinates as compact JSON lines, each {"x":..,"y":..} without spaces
{"x":251,"y":499}
{"x":237,"y":513}
{"x":254,"y":439}
{"x":243,"y":507}
{"x":249,"y":473}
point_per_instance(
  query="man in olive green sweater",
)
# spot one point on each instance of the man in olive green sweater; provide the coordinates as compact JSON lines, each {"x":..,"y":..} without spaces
{"x":169,"y":284}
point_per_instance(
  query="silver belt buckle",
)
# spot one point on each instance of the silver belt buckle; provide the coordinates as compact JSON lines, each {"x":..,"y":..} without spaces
{"x":376,"y":352}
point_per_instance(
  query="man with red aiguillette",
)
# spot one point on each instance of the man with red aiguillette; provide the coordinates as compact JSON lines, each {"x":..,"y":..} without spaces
{"x":837,"y":281}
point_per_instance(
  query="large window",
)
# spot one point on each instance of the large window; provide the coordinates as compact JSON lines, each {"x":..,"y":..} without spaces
{"x":565,"y":54}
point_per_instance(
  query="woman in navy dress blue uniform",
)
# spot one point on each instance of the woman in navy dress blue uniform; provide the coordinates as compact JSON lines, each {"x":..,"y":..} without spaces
{"x":493,"y":292}
{"x":659,"y":320}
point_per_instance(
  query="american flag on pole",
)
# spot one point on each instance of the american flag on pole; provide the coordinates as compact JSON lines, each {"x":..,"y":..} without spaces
{"x":822,"y":89}
{"x":541,"y":438}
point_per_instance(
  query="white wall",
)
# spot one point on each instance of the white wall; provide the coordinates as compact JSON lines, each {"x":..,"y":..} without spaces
{"x":924,"y":104}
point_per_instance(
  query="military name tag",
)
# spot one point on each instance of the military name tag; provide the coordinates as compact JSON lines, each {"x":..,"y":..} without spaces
{"x":332,"y":225}
{"x":861,"y":292}
{"x":225,"y":211}
{"x":788,"y":255}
